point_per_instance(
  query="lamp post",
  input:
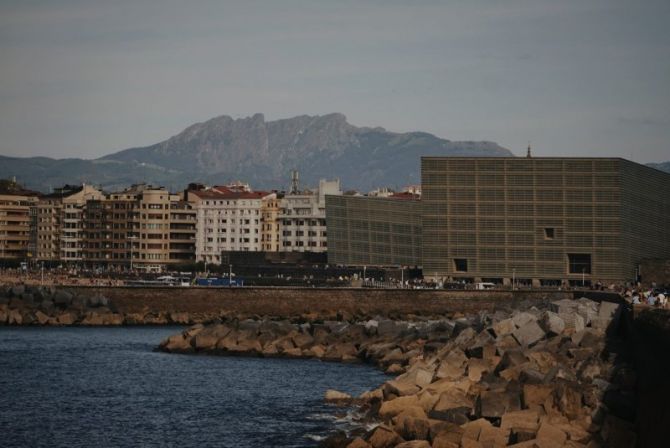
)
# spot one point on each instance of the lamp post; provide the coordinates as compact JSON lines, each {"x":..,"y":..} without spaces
{"x":230,"y":275}
{"x":131,"y":238}
{"x":513,"y":279}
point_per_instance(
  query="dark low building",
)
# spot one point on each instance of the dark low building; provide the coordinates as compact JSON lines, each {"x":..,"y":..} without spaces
{"x":373,"y":231}
{"x":540,"y":221}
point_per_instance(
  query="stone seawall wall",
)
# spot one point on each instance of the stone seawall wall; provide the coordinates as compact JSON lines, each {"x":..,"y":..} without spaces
{"x":652,"y":346}
{"x":298,"y":301}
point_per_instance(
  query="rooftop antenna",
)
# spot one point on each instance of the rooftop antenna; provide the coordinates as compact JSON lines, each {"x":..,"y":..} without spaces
{"x":528,"y":152}
{"x":294,"y":182}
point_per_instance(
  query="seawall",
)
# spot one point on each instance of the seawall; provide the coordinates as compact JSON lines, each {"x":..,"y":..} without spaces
{"x":84,"y":305}
{"x":297,"y":301}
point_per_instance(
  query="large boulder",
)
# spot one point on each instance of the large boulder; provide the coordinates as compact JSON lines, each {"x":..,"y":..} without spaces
{"x":417,"y":375}
{"x":28,"y":298}
{"x":522,"y":424}
{"x":62,"y":297}
{"x":452,"y":366}
{"x":414,"y":444}
{"x":523,"y":317}
{"x":535,"y":395}
{"x":573,"y":321}
{"x":359,"y":443}
{"x":391,"y":408}
{"x":14,"y":317}
{"x":389,"y":329}
{"x":453,"y":405}
{"x":66,"y":319}
{"x":180,"y":318}
{"x":92,"y":319}
{"x":608,"y":316}
{"x":176,"y":343}
{"x":400,"y":388}
{"x":41,"y":318}
{"x":563,"y":306}
{"x":552,"y":323}
{"x":495,"y":403}
{"x":503,"y":327}
{"x":334,"y":396}
{"x":94,"y":301}
{"x":345,"y":352}
{"x":412,"y":424}
{"x":302,"y":340}
{"x":209,"y":336}
{"x":529,"y":333}
{"x":17,"y":290}
{"x":384,"y":437}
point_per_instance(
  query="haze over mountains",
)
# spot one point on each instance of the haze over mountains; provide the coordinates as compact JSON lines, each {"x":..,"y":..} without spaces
{"x":259,"y":152}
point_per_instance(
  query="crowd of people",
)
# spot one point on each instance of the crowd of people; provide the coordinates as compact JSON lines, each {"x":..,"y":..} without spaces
{"x":657,"y":297}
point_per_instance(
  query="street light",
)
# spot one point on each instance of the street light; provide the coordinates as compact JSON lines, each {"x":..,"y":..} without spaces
{"x":230,"y":275}
{"x":513,"y":279}
{"x":131,"y":238}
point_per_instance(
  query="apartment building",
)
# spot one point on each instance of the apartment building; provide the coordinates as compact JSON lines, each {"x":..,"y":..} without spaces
{"x":270,"y":223}
{"x":60,"y":222}
{"x":229,"y":218}
{"x":542,"y":220}
{"x":302,"y":218}
{"x":142,"y":227}
{"x":16,"y":204}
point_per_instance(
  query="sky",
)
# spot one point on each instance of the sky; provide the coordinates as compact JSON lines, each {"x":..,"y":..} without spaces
{"x":574,"y":78}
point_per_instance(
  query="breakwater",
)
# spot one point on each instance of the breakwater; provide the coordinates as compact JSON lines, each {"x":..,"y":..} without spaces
{"x":34,"y":305}
{"x":543,"y":374}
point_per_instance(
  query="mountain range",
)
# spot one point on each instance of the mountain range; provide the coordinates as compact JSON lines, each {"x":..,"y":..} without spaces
{"x":259,"y":152}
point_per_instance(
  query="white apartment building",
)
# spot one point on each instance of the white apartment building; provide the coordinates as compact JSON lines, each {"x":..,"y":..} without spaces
{"x":227,"y":219}
{"x":302,"y":219}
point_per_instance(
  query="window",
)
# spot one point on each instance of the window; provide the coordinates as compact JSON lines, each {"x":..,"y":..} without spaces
{"x":460,"y":265}
{"x":549,"y":233}
{"x":579,"y":263}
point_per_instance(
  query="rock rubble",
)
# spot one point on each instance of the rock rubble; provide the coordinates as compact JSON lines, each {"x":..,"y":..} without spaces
{"x":544,"y":376}
{"x":37,"y":305}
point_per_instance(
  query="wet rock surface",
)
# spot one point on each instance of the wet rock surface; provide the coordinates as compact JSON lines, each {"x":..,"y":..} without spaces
{"x":553,"y":374}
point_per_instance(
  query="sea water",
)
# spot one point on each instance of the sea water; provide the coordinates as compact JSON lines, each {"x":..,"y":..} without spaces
{"x":100,"y":387}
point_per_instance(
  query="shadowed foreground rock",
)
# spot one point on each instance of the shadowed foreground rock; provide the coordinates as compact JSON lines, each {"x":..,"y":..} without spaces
{"x":526,"y":378}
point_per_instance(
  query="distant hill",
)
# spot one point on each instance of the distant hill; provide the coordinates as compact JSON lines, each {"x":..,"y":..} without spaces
{"x":259,"y":152}
{"x":663,"y":166}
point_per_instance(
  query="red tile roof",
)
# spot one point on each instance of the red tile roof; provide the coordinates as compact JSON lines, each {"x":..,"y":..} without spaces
{"x":222,"y":193}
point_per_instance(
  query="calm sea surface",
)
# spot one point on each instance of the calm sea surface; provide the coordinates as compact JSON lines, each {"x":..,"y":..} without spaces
{"x":99,"y":387}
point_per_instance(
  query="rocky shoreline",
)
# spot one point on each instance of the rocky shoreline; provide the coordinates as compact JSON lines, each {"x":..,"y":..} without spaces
{"x":544,"y":375}
{"x":51,"y":306}
{"x":525,"y":373}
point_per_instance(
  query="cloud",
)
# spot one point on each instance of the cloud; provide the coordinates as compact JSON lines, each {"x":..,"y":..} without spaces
{"x":84,"y":78}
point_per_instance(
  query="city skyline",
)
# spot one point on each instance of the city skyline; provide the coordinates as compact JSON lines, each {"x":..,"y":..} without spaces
{"x":85,"y":79}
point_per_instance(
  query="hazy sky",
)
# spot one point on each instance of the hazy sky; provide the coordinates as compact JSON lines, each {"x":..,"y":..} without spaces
{"x":86,"y":78}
